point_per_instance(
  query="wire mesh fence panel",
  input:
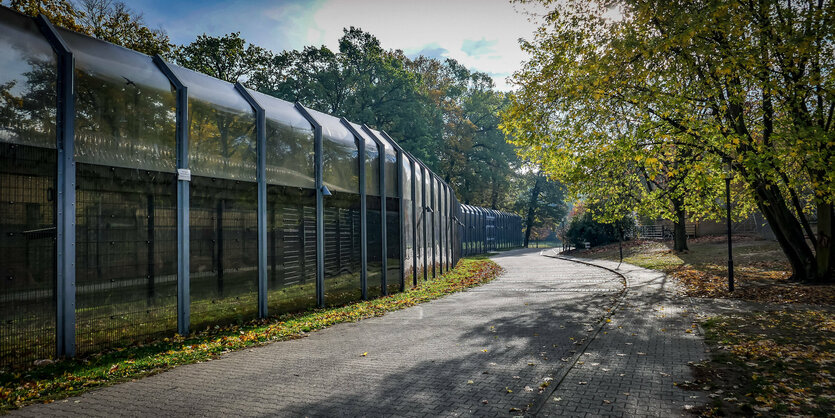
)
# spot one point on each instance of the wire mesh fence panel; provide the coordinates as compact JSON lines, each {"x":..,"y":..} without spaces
{"x":28,"y":161}
{"x":342,"y":249}
{"x":374,"y":245}
{"x":223,"y":244}
{"x":289,"y":259}
{"x":27,"y":245}
{"x":126,"y":256}
{"x":393,"y":244}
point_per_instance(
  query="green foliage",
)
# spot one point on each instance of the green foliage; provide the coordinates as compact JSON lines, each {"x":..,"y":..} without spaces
{"x":227,"y":57}
{"x":585,"y":228}
{"x":111,"y":21}
{"x":640,"y":111}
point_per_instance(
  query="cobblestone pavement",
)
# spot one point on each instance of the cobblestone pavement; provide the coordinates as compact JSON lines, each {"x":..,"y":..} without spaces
{"x":632,"y":366}
{"x":509,"y":347}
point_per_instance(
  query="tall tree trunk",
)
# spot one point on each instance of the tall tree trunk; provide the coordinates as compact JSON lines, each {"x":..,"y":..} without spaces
{"x":679,"y":226}
{"x":787,"y":229}
{"x":532,"y":208}
{"x":823,"y":247}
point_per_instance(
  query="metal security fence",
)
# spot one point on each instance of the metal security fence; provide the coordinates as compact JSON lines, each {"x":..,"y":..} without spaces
{"x":139,"y":199}
{"x":484,"y":230}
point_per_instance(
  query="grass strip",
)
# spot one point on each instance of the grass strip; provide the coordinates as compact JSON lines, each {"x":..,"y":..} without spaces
{"x":75,"y":376}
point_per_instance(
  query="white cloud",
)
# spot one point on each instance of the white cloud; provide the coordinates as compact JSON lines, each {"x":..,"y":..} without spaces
{"x":452,"y":25}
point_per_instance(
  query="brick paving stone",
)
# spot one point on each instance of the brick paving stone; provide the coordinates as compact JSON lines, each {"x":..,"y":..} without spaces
{"x":534,"y":323}
{"x":643,"y":351}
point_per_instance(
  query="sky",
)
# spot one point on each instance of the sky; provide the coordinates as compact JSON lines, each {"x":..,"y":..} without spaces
{"x":481,"y":34}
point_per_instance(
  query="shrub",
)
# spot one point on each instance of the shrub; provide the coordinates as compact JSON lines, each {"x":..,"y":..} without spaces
{"x":584,"y":228}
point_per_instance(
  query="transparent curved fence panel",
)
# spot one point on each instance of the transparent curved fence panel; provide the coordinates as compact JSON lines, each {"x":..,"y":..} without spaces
{"x":289,"y":144}
{"x":221,"y":128}
{"x":124,"y":107}
{"x":340,"y":155}
{"x":28,"y":77}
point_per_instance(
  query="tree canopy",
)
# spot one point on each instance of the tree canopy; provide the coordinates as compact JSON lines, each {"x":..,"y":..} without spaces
{"x":648,"y":100}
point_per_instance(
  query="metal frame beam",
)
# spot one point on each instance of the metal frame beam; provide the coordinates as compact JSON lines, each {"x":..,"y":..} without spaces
{"x":320,"y":209}
{"x":261,"y":178}
{"x":183,"y":202}
{"x":65,"y":290}
{"x":402,"y":214}
{"x":360,"y":142}
{"x":383,"y":207}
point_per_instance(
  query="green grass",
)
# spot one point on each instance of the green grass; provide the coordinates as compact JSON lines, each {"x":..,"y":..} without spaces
{"x":708,"y":254}
{"x":75,"y":376}
{"x":760,"y":269}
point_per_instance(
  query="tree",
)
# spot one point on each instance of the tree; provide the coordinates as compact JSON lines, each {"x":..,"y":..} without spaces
{"x":114,"y":21}
{"x":111,"y":21}
{"x":228,"y":57}
{"x":59,"y":12}
{"x":749,"y":83}
{"x":541,"y":201}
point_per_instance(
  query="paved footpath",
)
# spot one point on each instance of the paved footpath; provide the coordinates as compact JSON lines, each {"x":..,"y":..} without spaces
{"x":535,"y":341}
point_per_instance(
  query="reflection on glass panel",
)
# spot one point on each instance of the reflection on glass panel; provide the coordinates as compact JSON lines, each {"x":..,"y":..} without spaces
{"x":372,"y":169}
{"x":125,"y":107}
{"x":391,"y":170}
{"x":224,"y":254}
{"x":289,"y":143}
{"x":28,"y":75}
{"x":374,"y":246}
{"x":27,"y":242}
{"x":342,"y":248}
{"x":291,"y":249}
{"x":408,"y":223}
{"x":339,"y":154}
{"x":393,"y":244}
{"x":221,"y":141}
{"x":340,"y":164}
{"x":221,"y":128}
{"x":126,"y":256}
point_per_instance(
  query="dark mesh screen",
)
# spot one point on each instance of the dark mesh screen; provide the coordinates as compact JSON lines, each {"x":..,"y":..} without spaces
{"x":126,"y":256}
{"x":291,"y":249}
{"x":342,"y":248}
{"x":393,"y":276}
{"x":27,"y":245}
{"x":224,"y":254}
{"x":374,"y":242}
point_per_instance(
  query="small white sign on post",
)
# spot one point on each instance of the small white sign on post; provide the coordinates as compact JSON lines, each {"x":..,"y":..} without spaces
{"x":183,"y":174}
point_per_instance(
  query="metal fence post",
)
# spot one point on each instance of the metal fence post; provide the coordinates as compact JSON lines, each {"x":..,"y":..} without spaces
{"x":183,"y":202}
{"x":320,"y":208}
{"x":65,"y":199}
{"x":261,"y":178}
{"x":381,"y":149}
{"x":360,"y":141}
